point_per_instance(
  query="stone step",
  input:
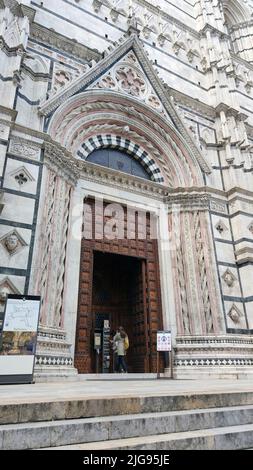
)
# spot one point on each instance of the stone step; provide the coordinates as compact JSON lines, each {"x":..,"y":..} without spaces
{"x":67,"y":432}
{"x":227,"y":438}
{"x":36,"y":410}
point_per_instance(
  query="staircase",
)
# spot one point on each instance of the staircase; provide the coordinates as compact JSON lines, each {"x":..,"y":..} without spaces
{"x":190,"y":421}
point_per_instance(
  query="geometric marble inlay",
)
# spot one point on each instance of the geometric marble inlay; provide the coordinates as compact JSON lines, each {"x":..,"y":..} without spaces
{"x":13,"y":242}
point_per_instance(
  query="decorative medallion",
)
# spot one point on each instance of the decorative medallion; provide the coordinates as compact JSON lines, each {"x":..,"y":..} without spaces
{"x":229,"y":278}
{"x":7,"y":287}
{"x":235,"y":314}
{"x":22,"y":176}
{"x":250,"y":227}
{"x":221,"y":227}
{"x":13,"y":242}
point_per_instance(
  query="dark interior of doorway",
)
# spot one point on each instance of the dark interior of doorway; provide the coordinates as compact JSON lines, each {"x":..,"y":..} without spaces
{"x":117,"y":296}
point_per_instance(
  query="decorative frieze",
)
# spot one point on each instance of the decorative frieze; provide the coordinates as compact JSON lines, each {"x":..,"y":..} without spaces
{"x":62,"y":43}
{"x":188,"y":202}
{"x":25,"y":148}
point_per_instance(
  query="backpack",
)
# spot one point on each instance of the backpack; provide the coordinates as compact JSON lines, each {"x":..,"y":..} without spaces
{"x":126,"y":343}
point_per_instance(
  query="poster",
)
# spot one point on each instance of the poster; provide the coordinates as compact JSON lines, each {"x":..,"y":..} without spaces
{"x":164,"y":341}
{"x":19,"y":338}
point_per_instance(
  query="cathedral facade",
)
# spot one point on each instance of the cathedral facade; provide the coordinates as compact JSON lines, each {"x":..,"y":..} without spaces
{"x":126,"y":178}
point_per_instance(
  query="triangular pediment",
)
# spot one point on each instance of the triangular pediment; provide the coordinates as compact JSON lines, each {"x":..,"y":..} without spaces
{"x":127,"y":76}
{"x":128,"y":70}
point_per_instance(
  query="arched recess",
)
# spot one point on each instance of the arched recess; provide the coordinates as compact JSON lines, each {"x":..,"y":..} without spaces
{"x":235,"y":12}
{"x":88,"y":115}
{"x":125,"y":145}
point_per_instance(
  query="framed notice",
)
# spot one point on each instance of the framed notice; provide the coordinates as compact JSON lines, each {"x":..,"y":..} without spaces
{"x":163,"y":340}
{"x":19,"y":339}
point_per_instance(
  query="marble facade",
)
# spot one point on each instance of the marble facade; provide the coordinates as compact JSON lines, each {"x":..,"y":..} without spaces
{"x":173,"y":84}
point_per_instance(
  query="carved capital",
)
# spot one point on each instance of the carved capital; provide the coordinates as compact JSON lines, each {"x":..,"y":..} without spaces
{"x":59,"y":160}
{"x":188,"y":202}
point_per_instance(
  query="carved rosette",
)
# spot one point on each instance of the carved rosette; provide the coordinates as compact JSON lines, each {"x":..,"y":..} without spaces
{"x":127,"y":77}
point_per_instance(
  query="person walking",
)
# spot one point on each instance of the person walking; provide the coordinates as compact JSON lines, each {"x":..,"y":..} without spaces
{"x":121,"y":344}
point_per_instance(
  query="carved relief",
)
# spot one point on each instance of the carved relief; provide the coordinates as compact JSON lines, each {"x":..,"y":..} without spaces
{"x":235,"y":314}
{"x":229,"y":278}
{"x":107,"y":82}
{"x":203,"y":274}
{"x":62,"y":77}
{"x":181,"y":270}
{"x":20,"y":147}
{"x":221,"y":227}
{"x":218,"y":206}
{"x":127,"y":77}
{"x":6,"y":287}
{"x":22,"y":176}
{"x":250,"y":227}
{"x":131,"y":81}
{"x":13,"y":242}
{"x":53,"y":250}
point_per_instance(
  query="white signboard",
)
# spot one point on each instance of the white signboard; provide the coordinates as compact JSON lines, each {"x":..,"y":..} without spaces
{"x":164,"y":341}
{"x":19,"y":338}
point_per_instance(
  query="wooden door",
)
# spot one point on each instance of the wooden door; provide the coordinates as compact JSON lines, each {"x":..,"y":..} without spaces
{"x":140,"y":315}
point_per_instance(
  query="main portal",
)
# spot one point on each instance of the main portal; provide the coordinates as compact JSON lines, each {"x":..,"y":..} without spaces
{"x":119,"y":284}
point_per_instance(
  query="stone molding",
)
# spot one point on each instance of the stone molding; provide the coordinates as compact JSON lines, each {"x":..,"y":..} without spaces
{"x":201,"y":341}
{"x":52,"y":38}
{"x":226,"y":351}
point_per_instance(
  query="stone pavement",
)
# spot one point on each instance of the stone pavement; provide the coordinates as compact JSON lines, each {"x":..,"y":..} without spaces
{"x":87,"y":389}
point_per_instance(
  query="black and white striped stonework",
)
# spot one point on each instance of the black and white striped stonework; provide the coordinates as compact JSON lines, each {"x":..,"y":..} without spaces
{"x":120,"y":143}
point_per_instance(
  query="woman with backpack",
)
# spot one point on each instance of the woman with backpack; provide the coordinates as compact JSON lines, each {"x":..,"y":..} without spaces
{"x":121,"y":343}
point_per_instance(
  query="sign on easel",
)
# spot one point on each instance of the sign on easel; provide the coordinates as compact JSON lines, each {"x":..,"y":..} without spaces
{"x":19,"y":339}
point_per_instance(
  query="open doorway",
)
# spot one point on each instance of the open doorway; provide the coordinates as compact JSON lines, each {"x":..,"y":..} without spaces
{"x":118,"y":298}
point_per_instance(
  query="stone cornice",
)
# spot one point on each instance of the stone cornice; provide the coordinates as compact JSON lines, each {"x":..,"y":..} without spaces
{"x":237,"y":26}
{"x":165,"y":16}
{"x":185,"y":100}
{"x":29,"y":12}
{"x":240,"y":60}
{"x":123,"y":181}
{"x":52,"y":38}
{"x":12,"y":113}
{"x":213,"y":30}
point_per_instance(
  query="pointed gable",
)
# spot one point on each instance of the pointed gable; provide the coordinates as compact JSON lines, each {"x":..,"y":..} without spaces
{"x":128,"y":70}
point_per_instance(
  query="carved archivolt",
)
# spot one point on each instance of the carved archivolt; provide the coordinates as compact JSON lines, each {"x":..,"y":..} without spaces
{"x":90,"y":114}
